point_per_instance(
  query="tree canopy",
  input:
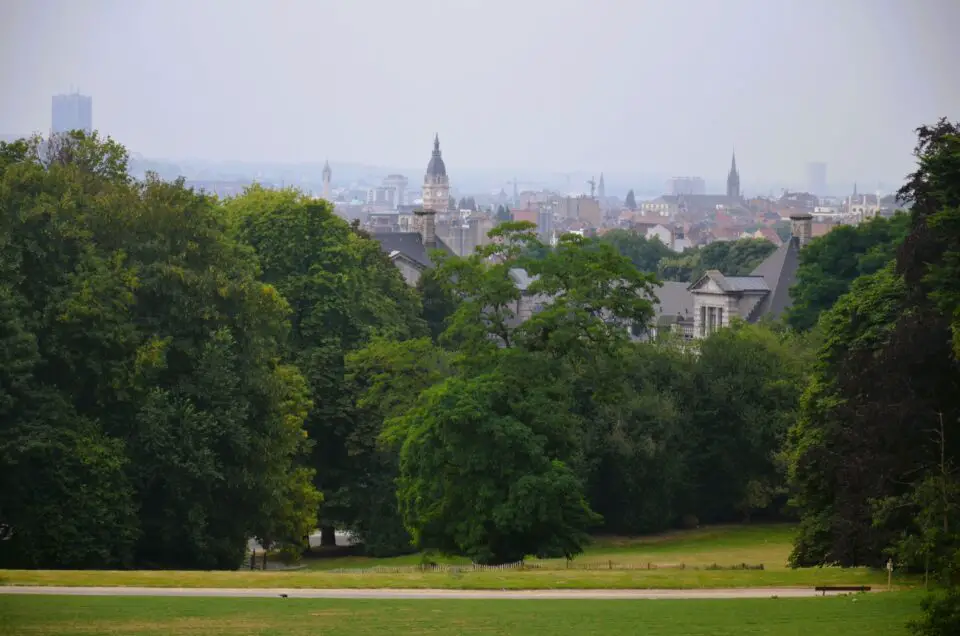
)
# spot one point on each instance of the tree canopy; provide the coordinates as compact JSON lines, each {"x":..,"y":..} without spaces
{"x":733,"y":258}
{"x":147,"y":416}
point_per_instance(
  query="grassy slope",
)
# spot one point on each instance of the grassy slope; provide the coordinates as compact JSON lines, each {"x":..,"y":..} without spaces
{"x":879,"y":615}
{"x":769,"y":545}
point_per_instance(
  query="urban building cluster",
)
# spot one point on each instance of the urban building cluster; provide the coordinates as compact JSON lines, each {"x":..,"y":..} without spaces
{"x":409,"y":221}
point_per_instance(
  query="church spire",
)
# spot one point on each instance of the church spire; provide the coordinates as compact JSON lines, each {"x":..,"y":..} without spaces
{"x":436,"y":143}
{"x":733,"y":178}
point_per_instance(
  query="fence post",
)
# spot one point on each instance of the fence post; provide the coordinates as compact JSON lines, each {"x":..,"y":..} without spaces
{"x":611,"y":564}
{"x":253,"y":559}
{"x":264,"y":560}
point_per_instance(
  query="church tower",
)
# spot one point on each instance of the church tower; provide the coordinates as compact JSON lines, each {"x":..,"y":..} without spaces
{"x":436,"y":196}
{"x":601,"y":191}
{"x":436,"y":184}
{"x":733,"y":179}
{"x":327,"y":173}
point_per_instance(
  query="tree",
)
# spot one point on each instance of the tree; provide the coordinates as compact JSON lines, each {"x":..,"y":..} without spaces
{"x":147,"y":404}
{"x":438,"y":302}
{"x":631,"y":201}
{"x":343,"y":291}
{"x":830,"y":263}
{"x":645,"y":254}
{"x":747,"y":384}
{"x":503,"y":214}
{"x":386,"y":379}
{"x":733,"y":258}
{"x":886,"y":377}
{"x":477,"y":480}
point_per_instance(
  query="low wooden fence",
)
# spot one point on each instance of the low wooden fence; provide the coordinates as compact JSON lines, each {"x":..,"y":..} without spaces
{"x":539,"y":565}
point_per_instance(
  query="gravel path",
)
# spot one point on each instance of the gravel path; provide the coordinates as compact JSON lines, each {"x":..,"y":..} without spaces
{"x":415,"y":594}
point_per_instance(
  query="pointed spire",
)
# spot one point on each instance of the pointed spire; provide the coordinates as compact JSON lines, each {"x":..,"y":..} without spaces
{"x":733,"y":162}
{"x":436,"y":142}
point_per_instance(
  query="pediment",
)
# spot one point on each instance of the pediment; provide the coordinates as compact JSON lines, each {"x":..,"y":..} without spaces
{"x":706,"y":285}
{"x":396,"y":256}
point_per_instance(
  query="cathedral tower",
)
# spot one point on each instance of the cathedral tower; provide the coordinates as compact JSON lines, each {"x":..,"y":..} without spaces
{"x":733,"y":179}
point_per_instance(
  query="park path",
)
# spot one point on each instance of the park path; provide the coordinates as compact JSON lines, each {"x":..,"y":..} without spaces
{"x":732,"y":593}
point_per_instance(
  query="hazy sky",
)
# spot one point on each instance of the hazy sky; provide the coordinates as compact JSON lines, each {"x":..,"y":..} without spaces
{"x":664,"y":87}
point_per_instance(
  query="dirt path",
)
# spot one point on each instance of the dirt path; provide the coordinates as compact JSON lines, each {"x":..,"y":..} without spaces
{"x":732,"y":593}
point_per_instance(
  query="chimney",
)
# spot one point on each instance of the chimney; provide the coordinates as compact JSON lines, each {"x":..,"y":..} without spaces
{"x":427,"y":227}
{"x":801,"y":227}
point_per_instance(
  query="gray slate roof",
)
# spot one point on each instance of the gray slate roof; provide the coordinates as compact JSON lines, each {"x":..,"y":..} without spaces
{"x":779,"y":270}
{"x":410,"y":244}
{"x":674,"y":299}
{"x":436,"y":167}
{"x":747,"y":283}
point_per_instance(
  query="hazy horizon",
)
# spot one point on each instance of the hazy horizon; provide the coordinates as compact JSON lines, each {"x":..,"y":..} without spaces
{"x":655,"y":88}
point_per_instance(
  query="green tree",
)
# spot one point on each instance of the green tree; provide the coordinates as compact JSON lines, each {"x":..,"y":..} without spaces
{"x":386,"y":378}
{"x":631,"y":201}
{"x":830,"y":263}
{"x":503,"y":214}
{"x":148,"y":395}
{"x":645,"y":254}
{"x":886,"y":379}
{"x":733,"y":258}
{"x":477,"y":480}
{"x":343,"y":291}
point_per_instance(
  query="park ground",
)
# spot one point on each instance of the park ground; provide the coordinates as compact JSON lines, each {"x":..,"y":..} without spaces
{"x":884,"y":614}
{"x":610,"y":563}
{"x":876,"y":614}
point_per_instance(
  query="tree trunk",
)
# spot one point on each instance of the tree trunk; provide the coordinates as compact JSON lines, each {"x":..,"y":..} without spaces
{"x":328,"y":536}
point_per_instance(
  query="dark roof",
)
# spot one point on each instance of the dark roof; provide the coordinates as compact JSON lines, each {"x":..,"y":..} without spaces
{"x":779,"y":270}
{"x":436,"y":167}
{"x":733,"y":284}
{"x":410,"y":244}
{"x":674,"y":299}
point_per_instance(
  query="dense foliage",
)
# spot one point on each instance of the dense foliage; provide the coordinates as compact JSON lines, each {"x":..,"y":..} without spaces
{"x":146,"y":415}
{"x":537,"y":431}
{"x":830,"y":264}
{"x":733,"y":258}
{"x":874,"y":455}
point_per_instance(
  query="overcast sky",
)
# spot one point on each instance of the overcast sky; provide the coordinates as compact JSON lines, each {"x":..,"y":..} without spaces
{"x":664,"y":86}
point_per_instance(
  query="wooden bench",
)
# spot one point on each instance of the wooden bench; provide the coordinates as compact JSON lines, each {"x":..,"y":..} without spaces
{"x":841,"y":588}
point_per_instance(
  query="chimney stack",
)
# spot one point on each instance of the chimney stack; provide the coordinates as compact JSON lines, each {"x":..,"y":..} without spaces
{"x":428,"y":227}
{"x":801,"y":227}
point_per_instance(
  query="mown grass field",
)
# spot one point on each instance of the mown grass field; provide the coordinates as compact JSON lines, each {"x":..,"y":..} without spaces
{"x":724,"y":545}
{"x":769,"y":545}
{"x":862,"y":615}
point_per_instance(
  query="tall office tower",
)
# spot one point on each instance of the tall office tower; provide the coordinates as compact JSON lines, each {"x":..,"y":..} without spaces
{"x":817,"y":178}
{"x":72,"y":111}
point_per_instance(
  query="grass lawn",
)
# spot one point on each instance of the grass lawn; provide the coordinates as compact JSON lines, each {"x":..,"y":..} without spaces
{"x":863,"y":615}
{"x":728,"y":545}
{"x":768,"y":544}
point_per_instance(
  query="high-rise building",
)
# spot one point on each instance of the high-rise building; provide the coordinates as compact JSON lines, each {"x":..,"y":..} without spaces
{"x":687,"y":185}
{"x":817,"y":178}
{"x":72,"y":111}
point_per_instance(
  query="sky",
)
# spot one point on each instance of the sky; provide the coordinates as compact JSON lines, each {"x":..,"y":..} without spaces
{"x":658,"y":87}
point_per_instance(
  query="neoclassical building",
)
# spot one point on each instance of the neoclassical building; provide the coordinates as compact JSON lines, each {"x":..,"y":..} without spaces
{"x":709,"y":303}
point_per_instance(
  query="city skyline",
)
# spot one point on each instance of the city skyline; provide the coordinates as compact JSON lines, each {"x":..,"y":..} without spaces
{"x":783,"y":102}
